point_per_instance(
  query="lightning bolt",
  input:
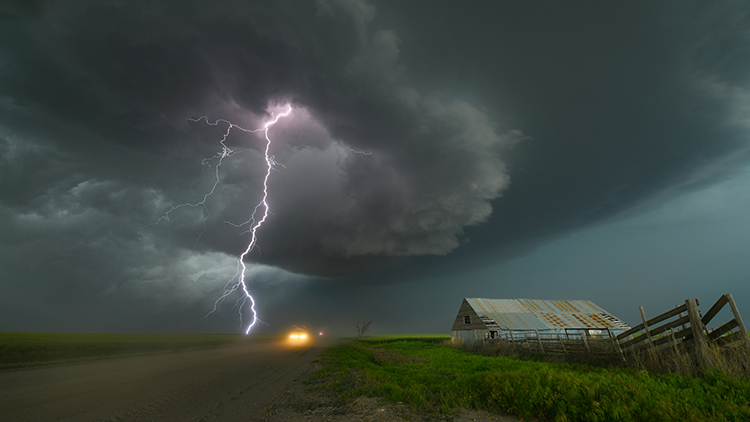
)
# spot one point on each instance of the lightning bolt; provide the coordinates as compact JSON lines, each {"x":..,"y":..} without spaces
{"x":358,"y":151}
{"x":255,"y":221}
{"x":206,"y":162}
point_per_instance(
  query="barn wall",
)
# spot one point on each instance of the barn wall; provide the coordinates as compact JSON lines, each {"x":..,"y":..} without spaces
{"x":476,"y":322}
{"x":473,"y":333}
{"x":475,"y":337}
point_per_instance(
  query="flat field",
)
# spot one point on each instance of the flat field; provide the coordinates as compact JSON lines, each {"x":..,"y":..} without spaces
{"x":29,"y":349}
{"x":436,"y":378}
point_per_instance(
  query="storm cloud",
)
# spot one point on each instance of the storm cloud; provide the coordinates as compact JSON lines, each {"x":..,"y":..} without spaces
{"x":470,"y":132}
{"x":432,"y":165}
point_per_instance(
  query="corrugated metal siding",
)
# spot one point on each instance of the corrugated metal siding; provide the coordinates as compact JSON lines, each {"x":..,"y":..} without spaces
{"x":533,"y":314}
{"x":507,"y":313}
{"x":506,"y":306}
{"x":526,"y":321}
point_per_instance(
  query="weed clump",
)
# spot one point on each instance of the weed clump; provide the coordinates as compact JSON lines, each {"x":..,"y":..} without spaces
{"x":732,"y":362}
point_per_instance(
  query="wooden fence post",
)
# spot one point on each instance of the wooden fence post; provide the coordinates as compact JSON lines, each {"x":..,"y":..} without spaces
{"x":539,"y":339}
{"x":562,"y":343}
{"x":616,"y":345}
{"x":699,"y":333}
{"x":738,"y":318}
{"x":586,"y":341}
{"x":673,"y":340}
{"x":684,"y":326}
{"x":645,"y":327}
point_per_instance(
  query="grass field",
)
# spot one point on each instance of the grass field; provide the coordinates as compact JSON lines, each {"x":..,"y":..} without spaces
{"x":28,"y":349}
{"x":434,"y":377}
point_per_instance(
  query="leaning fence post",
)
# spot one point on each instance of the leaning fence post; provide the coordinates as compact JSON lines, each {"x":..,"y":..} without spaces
{"x":674,"y":342}
{"x":645,"y":327}
{"x":616,"y":345}
{"x":684,"y":326}
{"x":699,"y":334}
{"x":585,"y":341}
{"x":562,"y":343}
{"x":539,"y":339}
{"x":738,"y":318}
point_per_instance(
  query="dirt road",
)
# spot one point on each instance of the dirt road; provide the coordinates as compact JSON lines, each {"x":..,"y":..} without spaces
{"x":234,"y":383}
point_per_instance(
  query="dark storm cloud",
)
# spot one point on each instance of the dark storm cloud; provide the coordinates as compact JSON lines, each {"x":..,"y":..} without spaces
{"x":484,"y":129}
{"x":624,"y":101}
{"x":434,"y":163}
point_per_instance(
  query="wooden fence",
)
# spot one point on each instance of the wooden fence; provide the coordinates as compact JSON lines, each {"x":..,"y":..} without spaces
{"x":683,"y":329}
{"x":561,"y":343}
{"x":680,"y":330}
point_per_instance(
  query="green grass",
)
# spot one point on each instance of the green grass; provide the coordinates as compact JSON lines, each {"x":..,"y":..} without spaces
{"x":389,"y":338}
{"x":28,"y":349}
{"x":437,"y":378}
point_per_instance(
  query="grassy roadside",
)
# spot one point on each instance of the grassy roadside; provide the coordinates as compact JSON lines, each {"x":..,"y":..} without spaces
{"x":434,"y":377}
{"x":29,"y":349}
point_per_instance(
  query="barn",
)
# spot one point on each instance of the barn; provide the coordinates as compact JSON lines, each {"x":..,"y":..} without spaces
{"x":481,"y":320}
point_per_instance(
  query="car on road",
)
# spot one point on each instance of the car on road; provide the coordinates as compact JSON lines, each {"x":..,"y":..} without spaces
{"x":299,"y":336}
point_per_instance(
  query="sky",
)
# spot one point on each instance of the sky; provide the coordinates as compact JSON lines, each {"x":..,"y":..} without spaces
{"x":435,"y":150}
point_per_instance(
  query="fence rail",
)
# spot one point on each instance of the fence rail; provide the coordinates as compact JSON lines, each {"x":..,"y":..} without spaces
{"x":684,"y":329}
{"x":681,"y":329}
{"x":560,"y":343}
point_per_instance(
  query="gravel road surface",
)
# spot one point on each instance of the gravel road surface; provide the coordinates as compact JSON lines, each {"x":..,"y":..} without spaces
{"x":235,"y":383}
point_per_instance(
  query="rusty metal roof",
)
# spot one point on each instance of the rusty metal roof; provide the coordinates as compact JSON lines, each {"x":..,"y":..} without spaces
{"x":534,"y":314}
